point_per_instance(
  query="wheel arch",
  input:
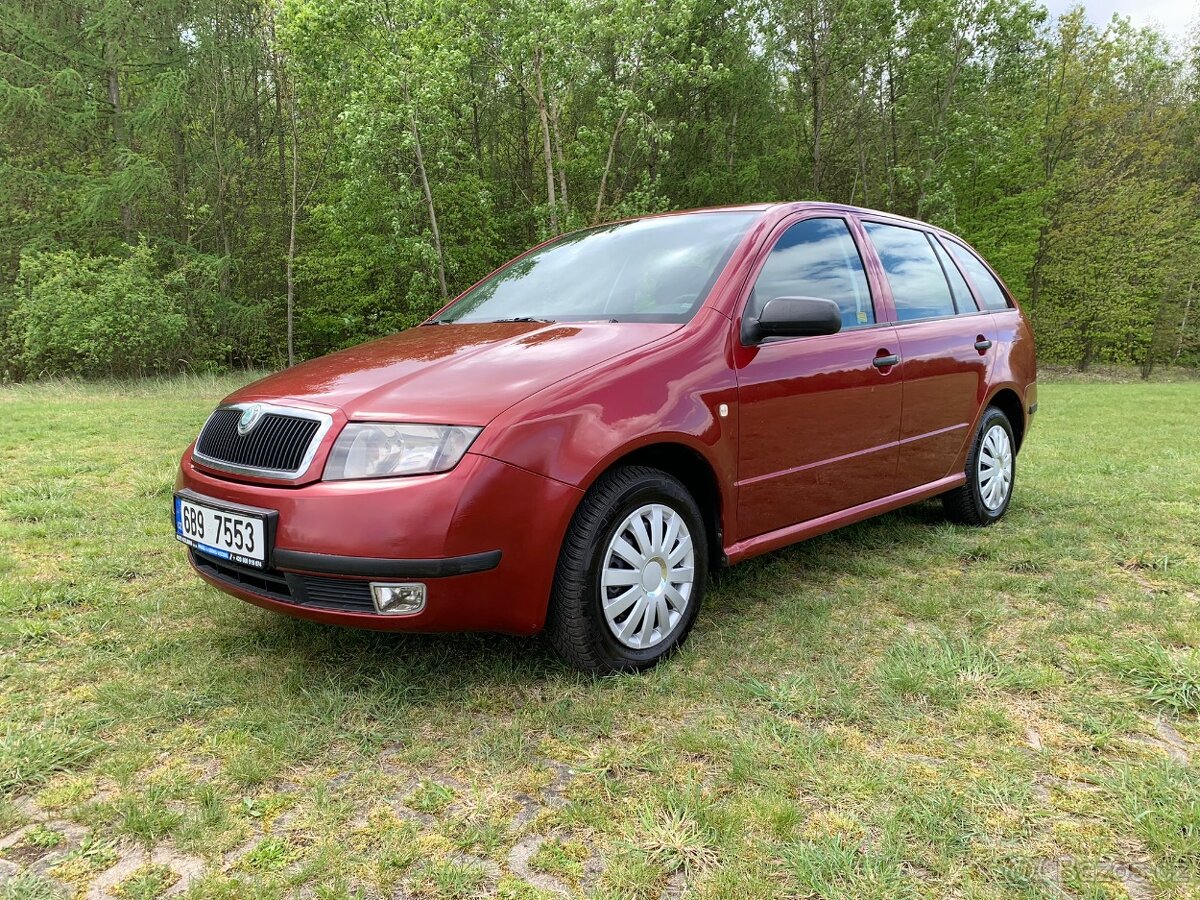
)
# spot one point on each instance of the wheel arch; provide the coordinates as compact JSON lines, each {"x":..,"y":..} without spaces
{"x":693,"y":469}
{"x":1009,"y":402}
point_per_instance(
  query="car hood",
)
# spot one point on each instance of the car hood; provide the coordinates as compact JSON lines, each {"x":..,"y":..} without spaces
{"x":459,"y":374}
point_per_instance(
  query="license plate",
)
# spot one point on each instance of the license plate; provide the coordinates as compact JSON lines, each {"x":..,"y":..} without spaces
{"x":222,"y":533}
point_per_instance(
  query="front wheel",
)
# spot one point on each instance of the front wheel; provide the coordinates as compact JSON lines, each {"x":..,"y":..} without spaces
{"x":991,"y":473}
{"x":631,"y":573}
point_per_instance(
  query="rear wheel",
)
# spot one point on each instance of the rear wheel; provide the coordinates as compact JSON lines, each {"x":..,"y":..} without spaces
{"x":991,"y":473}
{"x":631,"y":573}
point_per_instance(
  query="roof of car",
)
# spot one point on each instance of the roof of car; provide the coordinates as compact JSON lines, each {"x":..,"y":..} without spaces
{"x":797,"y":206}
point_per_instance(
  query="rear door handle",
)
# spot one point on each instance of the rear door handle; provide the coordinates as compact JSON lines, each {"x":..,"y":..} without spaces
{"x":982,"y":343}
{"x":884,"y":362}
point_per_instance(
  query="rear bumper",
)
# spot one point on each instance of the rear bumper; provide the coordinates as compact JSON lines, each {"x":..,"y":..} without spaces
{"x":483,"y":538}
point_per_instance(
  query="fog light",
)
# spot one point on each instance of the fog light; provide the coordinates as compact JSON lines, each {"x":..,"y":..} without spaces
{"x":399,"y":599}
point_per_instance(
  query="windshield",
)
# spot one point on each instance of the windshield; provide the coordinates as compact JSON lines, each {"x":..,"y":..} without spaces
{"x":650,"y":270}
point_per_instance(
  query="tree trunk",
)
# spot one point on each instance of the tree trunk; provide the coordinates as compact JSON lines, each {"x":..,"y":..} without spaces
{"x":612,"y":149}
{"x":433,"y":222}
{"x":120,"y":139}
{"x":894,"y":134}
{"x":1039,"y":259}
{"x":816,"y":91}
{"x":544,"y":116}
{"x":562,"y":164}
{"x":291,"y":252}
{"x":1187,"y":308}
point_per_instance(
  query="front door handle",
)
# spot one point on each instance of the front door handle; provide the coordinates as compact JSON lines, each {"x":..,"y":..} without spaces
{"x":886,"y":362}
{"x":982,"y":343}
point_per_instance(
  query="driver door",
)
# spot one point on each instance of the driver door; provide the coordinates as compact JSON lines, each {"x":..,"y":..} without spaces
{"x":819,"y":417}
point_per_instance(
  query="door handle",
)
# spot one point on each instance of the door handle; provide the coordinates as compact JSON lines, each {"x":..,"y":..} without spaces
{"x":982,"y":343}
{"x":885,"y":362}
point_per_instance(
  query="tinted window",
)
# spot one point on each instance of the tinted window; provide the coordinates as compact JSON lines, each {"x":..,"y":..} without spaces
{"x":990,"y":292}
{"x":817,"y":258}
{"x":958,"y":285}
{"x":649,"y":270}
{"x":919,"y":287}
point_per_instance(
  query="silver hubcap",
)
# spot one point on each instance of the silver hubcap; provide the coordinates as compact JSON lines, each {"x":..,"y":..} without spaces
{"x":995,"y":467}
{"x":646,"y":582}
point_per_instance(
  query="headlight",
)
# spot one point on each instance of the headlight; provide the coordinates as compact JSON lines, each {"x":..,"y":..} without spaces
{"x":377,"y":450}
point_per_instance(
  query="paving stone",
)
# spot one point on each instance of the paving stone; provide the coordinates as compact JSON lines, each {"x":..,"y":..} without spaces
{"x":554,"y":794}
{"x":1177,"y":747}
{"x":72,"y":832}
{"x":130,"y":861}
{"x":676,"y":885}
{"x":518,"y":863}
{"x":29,"y":807}
{"x":1136,"y":886}
{"x":7,"y":870}
{"x":399,"y":804}
{"x":1173,"y":751}
{"x":563,"y":775}
{"x":187,"y":868}
{"x":11,"y":840}
{"x":1033,"y":738}
{"x":283,"y":822}
{"x":411,"y":815}
{"x":231,"y":857}
{"x":529,"y":809}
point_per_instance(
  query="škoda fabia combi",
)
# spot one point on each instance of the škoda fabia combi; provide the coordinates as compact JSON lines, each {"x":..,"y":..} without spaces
{"x":575,"y":442}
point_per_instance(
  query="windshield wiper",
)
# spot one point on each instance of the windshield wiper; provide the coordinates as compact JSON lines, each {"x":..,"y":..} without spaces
{"x":522,"y":319}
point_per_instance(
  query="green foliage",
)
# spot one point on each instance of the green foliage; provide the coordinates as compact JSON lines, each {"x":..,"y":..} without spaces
{"x":354,"y":164}
{"x":94,"y":315}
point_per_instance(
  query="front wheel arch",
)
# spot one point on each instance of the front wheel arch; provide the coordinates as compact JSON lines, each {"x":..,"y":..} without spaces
{"x":696,"y":473}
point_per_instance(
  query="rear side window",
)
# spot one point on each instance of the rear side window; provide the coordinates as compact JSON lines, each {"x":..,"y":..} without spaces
{"x":816,"y":258}
{"x":990,"y":292}
{"x":919,"y":286}
{"x":958,"y":285}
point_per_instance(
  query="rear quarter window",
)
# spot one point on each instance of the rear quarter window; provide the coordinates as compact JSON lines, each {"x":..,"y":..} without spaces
{"x":991,"y":295}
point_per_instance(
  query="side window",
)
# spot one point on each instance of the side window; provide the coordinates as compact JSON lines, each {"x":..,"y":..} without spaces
{"x":958,"y":285}
{"x":990,"y":292}
{"x":816,"y":258}
{"x":919,"y":287}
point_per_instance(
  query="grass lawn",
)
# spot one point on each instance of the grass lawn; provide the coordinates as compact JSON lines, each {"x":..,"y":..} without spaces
{"x":903,"y":708}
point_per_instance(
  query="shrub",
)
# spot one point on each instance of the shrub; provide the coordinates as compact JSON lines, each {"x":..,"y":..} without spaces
{"x":93,"y":315}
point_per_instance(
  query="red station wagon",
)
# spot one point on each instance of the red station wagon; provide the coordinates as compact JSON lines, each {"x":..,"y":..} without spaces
{"x":573,"y":443}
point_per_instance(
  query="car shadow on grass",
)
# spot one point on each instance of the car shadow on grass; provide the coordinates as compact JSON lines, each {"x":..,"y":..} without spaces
{"x":456,"y":663}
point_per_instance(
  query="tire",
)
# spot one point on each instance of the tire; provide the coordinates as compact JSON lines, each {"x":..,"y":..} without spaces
{"x":648,"y":512}
{"x":983,"y":499}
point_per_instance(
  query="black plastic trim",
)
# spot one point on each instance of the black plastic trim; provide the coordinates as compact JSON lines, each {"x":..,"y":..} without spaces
{"x":1032,"y":408}
{"x":328,"y":564}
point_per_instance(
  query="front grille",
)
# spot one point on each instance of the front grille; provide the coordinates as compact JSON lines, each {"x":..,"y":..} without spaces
{"x":303,"y":590}
{"x":278,"y":443}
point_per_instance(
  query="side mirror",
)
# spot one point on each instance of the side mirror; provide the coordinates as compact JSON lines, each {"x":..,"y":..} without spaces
{"x":793,"y":317}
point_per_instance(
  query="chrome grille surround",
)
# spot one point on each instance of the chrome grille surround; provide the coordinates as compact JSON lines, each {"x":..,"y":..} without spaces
{"x":324,"y":424}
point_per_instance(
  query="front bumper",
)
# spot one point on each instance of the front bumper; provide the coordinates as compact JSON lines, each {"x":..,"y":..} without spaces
{"x":483,"y":538}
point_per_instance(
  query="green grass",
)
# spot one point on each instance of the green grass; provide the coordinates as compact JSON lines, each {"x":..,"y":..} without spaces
{"x":903,"y":708}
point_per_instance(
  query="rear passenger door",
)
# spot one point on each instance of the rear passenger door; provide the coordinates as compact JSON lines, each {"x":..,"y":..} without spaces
{"x":944,"y":339}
